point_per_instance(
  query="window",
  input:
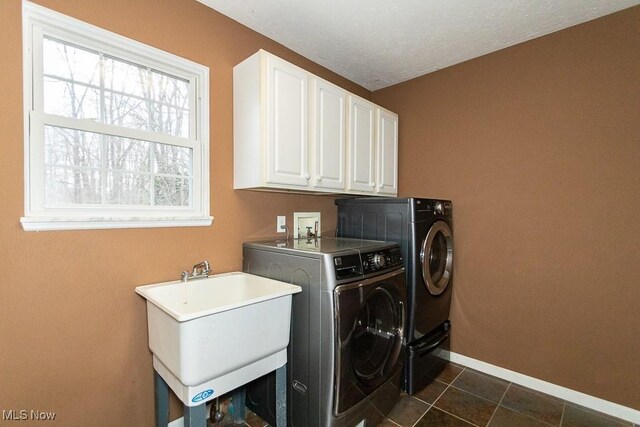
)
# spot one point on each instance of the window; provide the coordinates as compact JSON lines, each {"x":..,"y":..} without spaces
{"x":116,"y":132}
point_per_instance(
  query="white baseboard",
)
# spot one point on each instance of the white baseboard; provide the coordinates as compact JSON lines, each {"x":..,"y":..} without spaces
{"x":560,"y":392}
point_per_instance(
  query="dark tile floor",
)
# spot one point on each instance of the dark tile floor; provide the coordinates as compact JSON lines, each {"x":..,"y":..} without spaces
{"x":460,"y":396}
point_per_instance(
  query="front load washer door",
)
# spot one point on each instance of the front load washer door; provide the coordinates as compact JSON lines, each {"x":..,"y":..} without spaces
{"x":436,"y":257}
{"x":370,"y":330}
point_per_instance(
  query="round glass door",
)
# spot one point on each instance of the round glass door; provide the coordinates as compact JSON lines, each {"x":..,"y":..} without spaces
{"x":377,"y":337}
{"x":436,"y":257}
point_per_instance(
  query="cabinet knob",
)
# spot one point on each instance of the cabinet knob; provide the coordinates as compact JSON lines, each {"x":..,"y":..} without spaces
{"x":319,"y":178}
{"x":307,"y":177}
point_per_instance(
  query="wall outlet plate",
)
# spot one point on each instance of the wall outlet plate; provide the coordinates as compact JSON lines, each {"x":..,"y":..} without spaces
{"x":307,"y":224}
{"x":281,"y":222}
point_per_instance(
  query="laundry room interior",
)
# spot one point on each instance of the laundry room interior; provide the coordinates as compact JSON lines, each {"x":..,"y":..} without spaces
{"x":532,"y":148}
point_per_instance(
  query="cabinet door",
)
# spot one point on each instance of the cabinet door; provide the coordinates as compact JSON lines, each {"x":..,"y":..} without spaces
{"x":328,"y":134}
{"x":361,"y":146}
{"x":286,"y":123}
{"x":387,"y":152}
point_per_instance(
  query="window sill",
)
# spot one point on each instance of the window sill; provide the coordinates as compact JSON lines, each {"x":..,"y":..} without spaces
{"x":50,"y":224}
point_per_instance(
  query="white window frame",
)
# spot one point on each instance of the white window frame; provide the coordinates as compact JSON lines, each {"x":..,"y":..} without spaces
{"x":39,"y":22}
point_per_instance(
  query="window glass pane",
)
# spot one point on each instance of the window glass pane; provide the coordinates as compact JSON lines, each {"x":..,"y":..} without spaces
{"x":66,"y":186}
{"x":70,"y":62}
{"x":74,"y":161}
{"x":128,"y":154}
{"x":170,"y":120}
{"x":128,"y":188}
{"x":71,"y":100}
{"x":126,"y":111}
{"x":171,"y":191}
{"x":169,"y":90}
{"x":125,"y":77}
{"x":172,"y":160}
{"x":83,"y":84}
{"x":69,"y":147}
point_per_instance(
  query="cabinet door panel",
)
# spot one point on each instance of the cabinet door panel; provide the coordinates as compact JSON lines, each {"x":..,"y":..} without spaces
{"x":387,"y":152}
{"x":286,"y":122}
{"x":361,"y":145}
{"x":329,"y":135}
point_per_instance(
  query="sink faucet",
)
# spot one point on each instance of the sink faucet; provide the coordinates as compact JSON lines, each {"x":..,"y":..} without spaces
{"x":199,"y":271}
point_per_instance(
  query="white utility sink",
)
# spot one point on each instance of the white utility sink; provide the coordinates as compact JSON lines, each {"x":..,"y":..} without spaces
{"x":210,"y":336}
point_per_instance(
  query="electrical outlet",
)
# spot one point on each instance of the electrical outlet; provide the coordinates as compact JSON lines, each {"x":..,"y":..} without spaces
{"x":281,"y":222}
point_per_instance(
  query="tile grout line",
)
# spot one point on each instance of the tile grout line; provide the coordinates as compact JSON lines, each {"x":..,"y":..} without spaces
{"x":499,"y":402}
{"x":432,"y":405}
{"x":474,"y":395}
{"x":439,"y":396}
{"x":420,"y":417}
{"x":443,"y":391}
{"x":464,"y":368}
{"x":392,"y":422}
{"x":484,"y":375}
{"x":478,"y":396}
{"x":455,"y":416}
{"x":447,"y":387}
{"x":564,"y":407}
{"x":522,"y":413}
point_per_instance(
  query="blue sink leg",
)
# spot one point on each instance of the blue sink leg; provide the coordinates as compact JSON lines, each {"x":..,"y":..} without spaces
{"x":238,"y":399}
{"x":281,"y":396}
{"x":162,"y":400}
{"x":195,"y":416}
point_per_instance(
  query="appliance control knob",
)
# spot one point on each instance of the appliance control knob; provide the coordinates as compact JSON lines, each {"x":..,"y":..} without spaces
{"x":379,"y":260}
{"x":439,"y":208}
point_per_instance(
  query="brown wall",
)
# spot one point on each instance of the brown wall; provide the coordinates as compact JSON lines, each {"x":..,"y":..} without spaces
{"x":72,"y":331}
{"x":538,"y":146}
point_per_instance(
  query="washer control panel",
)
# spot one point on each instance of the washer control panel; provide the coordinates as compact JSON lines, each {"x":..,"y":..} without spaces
{"x":355,"y":265}
{"x":381,"y":260}
{"x":347,"y":266}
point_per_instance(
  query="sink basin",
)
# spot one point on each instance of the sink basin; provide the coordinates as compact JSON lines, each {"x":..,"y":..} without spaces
{"x":210,"y":336}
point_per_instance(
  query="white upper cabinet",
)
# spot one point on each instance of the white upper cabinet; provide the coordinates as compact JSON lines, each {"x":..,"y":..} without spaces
{"x":372,"y":148}
{"x":361,"y":145}
{"x":328,"y":134}
{"x":286,"y":123}
{"x":387,"y":152}
{"x":270,"y":124}
{"x":296,"y":131}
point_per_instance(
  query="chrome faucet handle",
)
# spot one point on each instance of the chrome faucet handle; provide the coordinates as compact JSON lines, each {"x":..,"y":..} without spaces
{"x":201,"y":269}
{"x":184,"y":276}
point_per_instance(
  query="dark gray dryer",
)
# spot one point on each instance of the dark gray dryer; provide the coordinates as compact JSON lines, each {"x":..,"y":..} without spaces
{"x":423,"y":227}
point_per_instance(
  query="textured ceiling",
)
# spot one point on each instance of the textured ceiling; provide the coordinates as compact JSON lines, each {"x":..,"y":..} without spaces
{"x":378,"y":43}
